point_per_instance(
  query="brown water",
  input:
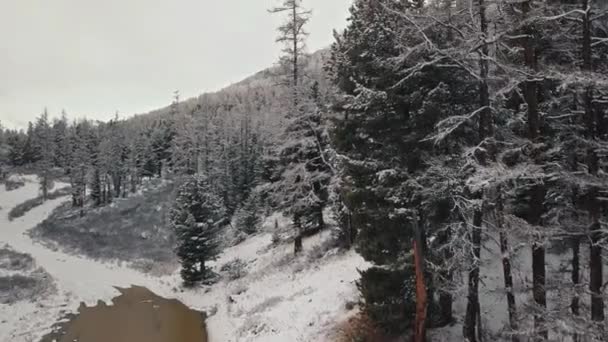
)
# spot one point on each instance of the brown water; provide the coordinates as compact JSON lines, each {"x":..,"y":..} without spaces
{"x":137,"y":315}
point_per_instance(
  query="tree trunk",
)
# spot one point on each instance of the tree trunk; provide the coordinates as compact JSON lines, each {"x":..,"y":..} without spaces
{"x":538,"y":250}
{"x":472,"y":324}
{"x":74,"y":191}
{"x":297,"y":244}
{"x":575,"y":276}
{"x":445,"y":306}
{"x":485,"y":119}
{"x":596,"y":276}
{"x":538,"y":266}
{"x":506,"y":266}
{"x":421,"y":286}
{"x":595,"y":262}
{"x":445,"y":297}
{"x":472,"y":314}
{"x":321,"y":222}
{"x":44,"y":184}
{"x":349,"y":235}
{"x":594,"y":208}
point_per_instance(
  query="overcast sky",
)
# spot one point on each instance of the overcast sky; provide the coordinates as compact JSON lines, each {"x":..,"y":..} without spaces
{"x":95,"y":57}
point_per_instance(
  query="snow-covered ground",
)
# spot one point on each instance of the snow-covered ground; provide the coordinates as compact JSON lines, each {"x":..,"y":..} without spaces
{"x":278,"y":299}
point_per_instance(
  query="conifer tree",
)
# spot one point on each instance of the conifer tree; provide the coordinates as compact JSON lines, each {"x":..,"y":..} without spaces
{"x":302,"y":191}
{"x":43,"y":143}
{"x":248,"y":217}
{"x":196,"y":217}
{"x":61,"y":143}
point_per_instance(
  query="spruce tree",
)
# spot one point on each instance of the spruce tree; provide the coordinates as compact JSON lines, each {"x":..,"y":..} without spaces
{"x":248,"y":217}
{"x":197,"y":217}
{"x":43,"y":143}
{"x":398,"y":185}
{"x":303,"y":189}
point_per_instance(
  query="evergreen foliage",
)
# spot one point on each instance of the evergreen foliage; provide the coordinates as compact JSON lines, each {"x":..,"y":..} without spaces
{"x":197,"y":217}
{"x":248,"y":218}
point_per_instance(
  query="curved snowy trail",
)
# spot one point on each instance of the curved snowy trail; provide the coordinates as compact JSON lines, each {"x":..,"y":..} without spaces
{"x":279,"y":298}
{"x":77,"y":279}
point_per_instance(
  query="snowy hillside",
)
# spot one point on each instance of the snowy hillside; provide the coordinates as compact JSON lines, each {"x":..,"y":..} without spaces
{"x":276,"y":298}
{"x":281,"y":298}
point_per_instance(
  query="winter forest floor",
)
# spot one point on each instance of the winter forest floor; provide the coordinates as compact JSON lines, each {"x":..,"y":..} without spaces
{"x":264,"y":293}
{"x":132,"y":230}
{"x":274,"y":296}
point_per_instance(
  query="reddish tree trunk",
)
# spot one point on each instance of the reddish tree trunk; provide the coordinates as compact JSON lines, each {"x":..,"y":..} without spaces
{"x":421,"y":298}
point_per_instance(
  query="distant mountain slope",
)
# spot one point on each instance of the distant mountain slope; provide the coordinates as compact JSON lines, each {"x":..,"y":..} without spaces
{"x":260,"y":95}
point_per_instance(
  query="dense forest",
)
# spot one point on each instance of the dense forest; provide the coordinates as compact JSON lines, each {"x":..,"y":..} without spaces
{"x":432,"y":133}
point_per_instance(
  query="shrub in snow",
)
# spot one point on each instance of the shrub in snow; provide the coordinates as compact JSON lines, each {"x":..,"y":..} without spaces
{"x":276,"y":238}
{"x":23,"y":208}
{"x":238,"y":238}
{"x":19,"y":287}
{"x":13,"y":184}
{"x":235,"y":269}
{"x":388,"y":298}
{"x":319,"y":251}
{"x":14,"y":261}
{"x":302,"y":190}
{"x":267,"y":304}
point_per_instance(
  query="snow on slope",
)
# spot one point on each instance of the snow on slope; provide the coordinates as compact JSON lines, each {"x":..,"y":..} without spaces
{"x":492,"y":293}
{"x":281,"y":298}
{"x":77,"y":279}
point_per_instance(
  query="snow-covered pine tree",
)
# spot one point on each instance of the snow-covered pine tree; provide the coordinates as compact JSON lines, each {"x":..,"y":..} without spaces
{"x":43,"y":143}
{"x":139,"y":160}
{"x":400,"y":82}
{"x":16,"y":141}
{"x":117,"y":159}
{"x":197,"y":217}
{"x":161,"y":137}
{"x":292,"y":34}
{"x":186,"y":146}
{"x":79,"y":161}
{"x":303,"y":189}
{"x":95,"y":176}
{"x":248,"y":217}
{"x":61,"y":144}
{"x":305,"y":174}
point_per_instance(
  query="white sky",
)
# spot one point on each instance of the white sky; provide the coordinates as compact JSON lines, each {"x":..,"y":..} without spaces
{"x":95,"y":57}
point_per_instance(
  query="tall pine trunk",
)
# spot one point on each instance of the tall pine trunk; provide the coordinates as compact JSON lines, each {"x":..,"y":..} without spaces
{"x":472,"y":323}
{"x":538,"y":267}
{"x":445,"y":297}
{"x":472,"y":312}
{"x":575,"y":276}
{"x":297,"y":242}
{"x":594,"y":207}
{"x":538,"y":250}
{"x":506,"y":266}
{"x":422,"y":295}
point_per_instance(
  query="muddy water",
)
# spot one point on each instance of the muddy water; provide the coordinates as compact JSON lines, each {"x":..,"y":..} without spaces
{"x":137,"y":315}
